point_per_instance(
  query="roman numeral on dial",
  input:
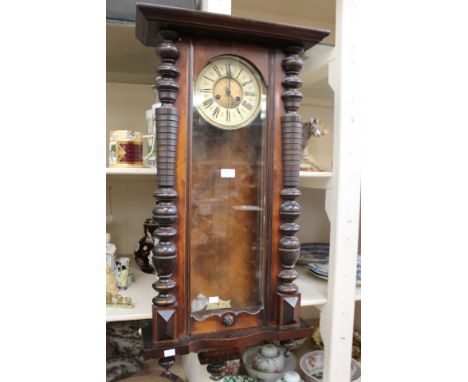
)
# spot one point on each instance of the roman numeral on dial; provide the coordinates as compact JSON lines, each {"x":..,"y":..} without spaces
{"x":216,"y":112}
{"x":208,"y":102}
{"x":246,"y":82}
{"x":250,"y":94}
{"x":247,"y":105}
{"x":216,"y":69}
{"x":228,"y":116}
{"x":229,"y":70}
{"x":239,"y":112}
{"x":205,"y":90}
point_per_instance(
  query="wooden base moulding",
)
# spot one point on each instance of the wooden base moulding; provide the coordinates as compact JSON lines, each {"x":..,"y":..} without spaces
{"x":226,"y":340}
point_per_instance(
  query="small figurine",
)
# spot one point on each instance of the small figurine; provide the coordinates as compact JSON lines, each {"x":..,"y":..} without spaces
{"x":311,"y":129}
{"x":111,"y":283}
{"x":118,"y":301}
{"x":111,"y":249}
{"x":122,"y":272}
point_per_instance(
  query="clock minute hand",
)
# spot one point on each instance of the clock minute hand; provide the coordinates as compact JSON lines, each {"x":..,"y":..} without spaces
{"x":228,"y":93}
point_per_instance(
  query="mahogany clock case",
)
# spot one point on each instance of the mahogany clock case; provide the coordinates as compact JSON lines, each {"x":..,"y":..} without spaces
{"x":233,"y":271}
{"x":258,"y":313}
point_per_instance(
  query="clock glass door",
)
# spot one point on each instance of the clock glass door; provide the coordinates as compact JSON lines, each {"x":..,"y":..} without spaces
{"x":227,"y":188}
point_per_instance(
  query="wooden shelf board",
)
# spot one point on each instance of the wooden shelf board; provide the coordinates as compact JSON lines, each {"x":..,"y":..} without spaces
{"x":313,"y":290}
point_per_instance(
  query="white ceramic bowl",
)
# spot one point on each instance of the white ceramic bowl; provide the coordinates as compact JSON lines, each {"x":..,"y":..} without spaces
{"x":311,"y":365}
{"x":289,"y":365}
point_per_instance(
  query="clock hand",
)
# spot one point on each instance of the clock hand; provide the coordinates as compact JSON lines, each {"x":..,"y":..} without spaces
{"x":228,"y":93}
{"x":236,"y":101}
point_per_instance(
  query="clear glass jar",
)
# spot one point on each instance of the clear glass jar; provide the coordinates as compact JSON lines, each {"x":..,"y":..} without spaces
{"x":149,"y":140}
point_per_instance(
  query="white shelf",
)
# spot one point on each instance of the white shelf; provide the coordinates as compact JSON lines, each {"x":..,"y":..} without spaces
{"x":313,"y":291}
{"x":312,"y":179}
{"x":141,"y":293}
{"x":308,"y":179}
{"x":130,"y":171}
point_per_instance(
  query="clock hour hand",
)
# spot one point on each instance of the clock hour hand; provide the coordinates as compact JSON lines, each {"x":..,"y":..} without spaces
{"x":235,"y":100}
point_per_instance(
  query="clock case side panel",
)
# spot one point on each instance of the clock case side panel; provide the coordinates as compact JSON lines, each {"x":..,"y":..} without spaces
{"x":276,"y":180}
{"x":183,"y":104}
{"x":205,"y":49}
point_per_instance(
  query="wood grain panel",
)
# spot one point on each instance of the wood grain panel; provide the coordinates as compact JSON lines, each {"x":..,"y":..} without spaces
{"x":223,"y":259}
{"x":181,"y":183}
{"x":214,"y":324}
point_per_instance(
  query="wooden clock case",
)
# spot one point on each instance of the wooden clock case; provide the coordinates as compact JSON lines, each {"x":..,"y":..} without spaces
{"x":186,"y":40}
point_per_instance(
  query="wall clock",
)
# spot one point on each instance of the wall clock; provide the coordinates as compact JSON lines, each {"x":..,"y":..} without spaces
{"x":228,"y":153}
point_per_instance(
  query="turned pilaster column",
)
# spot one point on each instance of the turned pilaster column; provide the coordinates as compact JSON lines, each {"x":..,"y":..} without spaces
{"x":291,"y":137}
{"x":164,"y":254}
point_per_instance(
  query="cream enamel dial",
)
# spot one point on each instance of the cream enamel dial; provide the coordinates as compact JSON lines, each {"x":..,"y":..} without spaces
{"x":228,"y":93}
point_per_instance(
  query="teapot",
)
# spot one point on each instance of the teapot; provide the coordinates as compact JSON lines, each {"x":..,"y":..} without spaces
{"x":269,"y":359}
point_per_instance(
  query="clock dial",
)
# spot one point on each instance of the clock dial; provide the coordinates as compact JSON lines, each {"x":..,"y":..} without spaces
{"x":228,"y":93}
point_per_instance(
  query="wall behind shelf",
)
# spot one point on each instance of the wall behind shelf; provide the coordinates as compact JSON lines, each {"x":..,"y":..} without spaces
{"x":131,"y":198}
{"x":126,"y":105}
{"x":322,"y":148}
{"x":132,"y":202}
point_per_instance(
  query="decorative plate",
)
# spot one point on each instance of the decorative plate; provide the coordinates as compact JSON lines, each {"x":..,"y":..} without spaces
{"x":311,"y":364}
{"x":314,"y":253}
{"x":321,"y":270}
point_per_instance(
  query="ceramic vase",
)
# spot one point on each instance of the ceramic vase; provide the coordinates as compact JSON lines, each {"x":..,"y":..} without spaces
{"x":111,"y":249}
{"x":144,"y":247}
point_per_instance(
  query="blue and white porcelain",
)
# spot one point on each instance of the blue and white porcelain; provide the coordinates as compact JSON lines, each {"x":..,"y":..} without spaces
{"x":290,"y":363}
{"x":269,"y":359}
{"x":314,"y":253}
{"x":321,"y":270}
